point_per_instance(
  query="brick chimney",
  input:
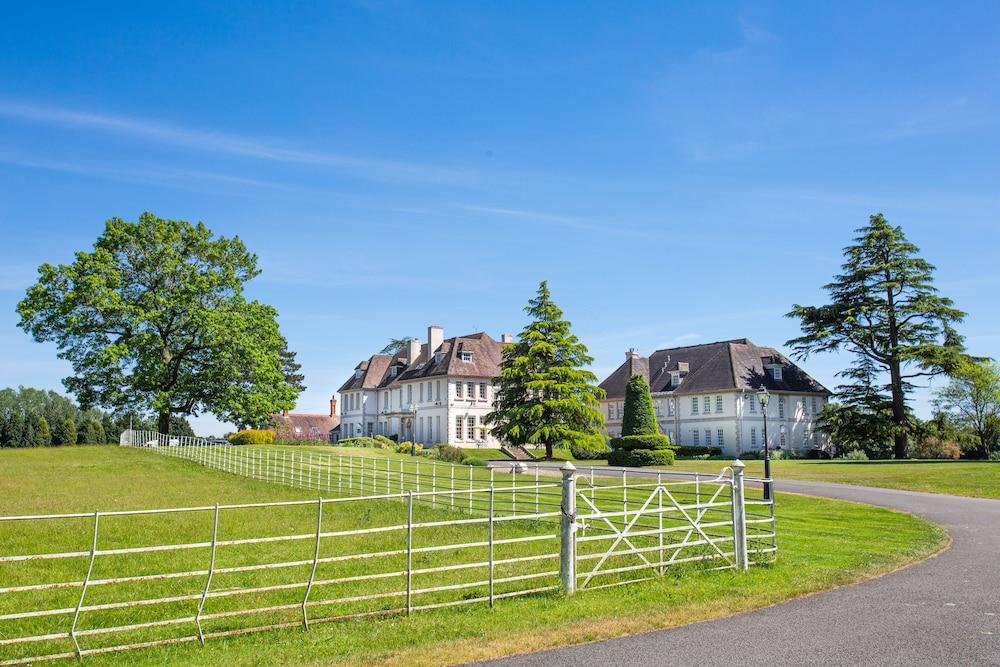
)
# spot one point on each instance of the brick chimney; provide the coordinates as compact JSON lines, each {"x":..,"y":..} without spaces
{"x":333,"y":406}
{"x":435,"y":336}
{"x":412,"y":350}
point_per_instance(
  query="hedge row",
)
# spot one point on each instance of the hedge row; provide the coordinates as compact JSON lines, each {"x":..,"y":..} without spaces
{"x":649,"y":441}
{"x":634,"y":458}
{"x":693,"y":450}
{"x":252,"y":436}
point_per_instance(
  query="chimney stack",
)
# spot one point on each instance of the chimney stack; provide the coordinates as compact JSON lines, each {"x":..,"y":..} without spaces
{"x":435,"y":336}
{"x":333,"y":406}
{"x":506,"y":338}
{"x":412,"y":351}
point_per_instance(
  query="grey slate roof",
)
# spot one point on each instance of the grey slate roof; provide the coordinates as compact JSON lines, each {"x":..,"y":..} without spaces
{"x":730,"y":365}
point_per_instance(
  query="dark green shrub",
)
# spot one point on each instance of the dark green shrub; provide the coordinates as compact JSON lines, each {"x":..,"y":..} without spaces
{"x":66,"y":435}
{"x":252,"y":436}
{"x":361,"y":441}
{"x":635,"y":458}
{"x":818,"y":453}
{"x":631,"y":442}
{"x":449,"y":453}
{"x":473,"y":461}
{"x":639,"y":417}
{"x":692,"y":451}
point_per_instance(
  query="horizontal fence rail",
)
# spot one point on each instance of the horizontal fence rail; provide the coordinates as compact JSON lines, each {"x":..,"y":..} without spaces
{"x":383,"y":537}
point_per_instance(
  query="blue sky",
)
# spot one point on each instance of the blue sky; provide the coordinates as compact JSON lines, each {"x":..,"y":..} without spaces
{"x":680,"y":173}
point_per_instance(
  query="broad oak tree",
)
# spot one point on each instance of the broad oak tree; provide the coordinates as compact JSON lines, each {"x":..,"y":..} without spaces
{"x":544,"y":394}
{"x":154,"y":320}
{"x":885,"y":310}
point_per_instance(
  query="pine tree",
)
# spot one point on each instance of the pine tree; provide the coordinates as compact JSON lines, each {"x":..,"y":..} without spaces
{"x":885,"y":310}
{"x":93,"y":433}
{"x":544,"y":395}
{"x":641,"y":442}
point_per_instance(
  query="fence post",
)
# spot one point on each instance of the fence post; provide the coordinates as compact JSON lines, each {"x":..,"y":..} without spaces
{"x":86,"y":582}
{"x":409,"y":552}
{"x":739,"y":517}
{"x":492,"y":569}
{"x":567,"y":540}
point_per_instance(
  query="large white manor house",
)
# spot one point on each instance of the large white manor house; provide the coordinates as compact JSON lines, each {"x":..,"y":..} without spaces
{"x":707,"y":395}
{"x":438,"y":391}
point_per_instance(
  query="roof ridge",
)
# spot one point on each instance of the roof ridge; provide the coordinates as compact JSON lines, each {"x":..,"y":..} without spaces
{"x":737,"y":341}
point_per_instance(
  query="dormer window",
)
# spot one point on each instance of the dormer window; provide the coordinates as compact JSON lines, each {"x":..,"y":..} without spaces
{"x":358,"y":373}
{"x":437,"y":357}
{"x":393,"y":370}
{"x":775,"y":372}
{"x":466,"y":355}
{"x":675,"y":378}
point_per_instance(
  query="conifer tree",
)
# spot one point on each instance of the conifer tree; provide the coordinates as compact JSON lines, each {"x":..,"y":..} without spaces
{"x":641,"y":442}
{"x":67,"y":434}
{"x":885,"y":310}
{"x":544,"y":394}
{"x":43,"y":434}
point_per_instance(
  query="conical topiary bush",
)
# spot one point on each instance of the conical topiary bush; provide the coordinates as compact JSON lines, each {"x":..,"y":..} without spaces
{"x":641,"y":443}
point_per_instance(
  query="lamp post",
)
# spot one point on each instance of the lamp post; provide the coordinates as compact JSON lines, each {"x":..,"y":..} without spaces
{"x":763,"y":397}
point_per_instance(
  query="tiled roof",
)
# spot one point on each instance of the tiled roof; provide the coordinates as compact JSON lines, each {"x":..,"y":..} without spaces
{"x":286,"y":424}
{"x":486,"y":356}
{"x":723,"y":366}
{"x":372,"y":371}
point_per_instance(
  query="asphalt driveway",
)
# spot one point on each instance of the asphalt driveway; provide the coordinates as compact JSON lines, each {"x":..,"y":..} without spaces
{"x":943,"y":611}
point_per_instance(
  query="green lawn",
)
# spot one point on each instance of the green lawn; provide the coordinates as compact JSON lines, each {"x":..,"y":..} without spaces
{"x":979,"y":479}
{"x":822,"y":544}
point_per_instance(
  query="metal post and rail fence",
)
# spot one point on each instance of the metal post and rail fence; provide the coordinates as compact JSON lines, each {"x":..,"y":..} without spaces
{"x":381,"y":538}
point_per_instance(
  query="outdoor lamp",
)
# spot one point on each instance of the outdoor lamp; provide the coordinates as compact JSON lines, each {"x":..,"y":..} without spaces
{"x":763,"y":396}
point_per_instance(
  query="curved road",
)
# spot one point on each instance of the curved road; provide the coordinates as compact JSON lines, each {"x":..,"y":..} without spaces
{"x":942,"y":611}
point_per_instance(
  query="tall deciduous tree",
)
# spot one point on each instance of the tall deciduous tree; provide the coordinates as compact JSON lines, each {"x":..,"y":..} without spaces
{"x":154,"y":319}
{"x":972,"y":398}
{"x":544,"y":395}
{"x":885,"y":310}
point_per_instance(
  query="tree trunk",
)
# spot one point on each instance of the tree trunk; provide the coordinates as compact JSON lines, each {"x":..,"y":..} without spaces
{"x":548,"y":451}
{"x":896,"y":381}
{"x":163,"y":423}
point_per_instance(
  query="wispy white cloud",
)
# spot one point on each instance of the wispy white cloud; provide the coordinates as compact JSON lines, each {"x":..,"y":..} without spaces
{"x":229,"y":144}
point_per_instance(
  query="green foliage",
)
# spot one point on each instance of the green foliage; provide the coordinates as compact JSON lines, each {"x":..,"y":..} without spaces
{"x":640,"y":416}
{"x":252,"y":436}
{"x":395,"y":345}
{"x":592,"y":449}
{"x":933,"y":447}
{"x":636,"y":458}
{"x":854,"y":455}
{"x":692,"y":451}
{"x":457,"y":455}
{"x":376,"y":442}
{"x":43,"y":434}
{"x":92,"y":434}
{"x":972,"y":400}
{"x":180,"y":426}
{"x":632,"y":442}
{"x":406,"y":447}
{"x":885,"y":311}
{"x":66,"y":434}
{"x":544,"y":394}
{"x":154,"y":319}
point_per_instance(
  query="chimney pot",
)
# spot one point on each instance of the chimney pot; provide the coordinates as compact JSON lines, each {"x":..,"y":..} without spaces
{"x":333,"y":406}
{"x":506,"y":338}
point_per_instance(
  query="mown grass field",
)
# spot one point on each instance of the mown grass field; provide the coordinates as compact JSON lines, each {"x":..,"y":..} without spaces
{"x":822,"y":544}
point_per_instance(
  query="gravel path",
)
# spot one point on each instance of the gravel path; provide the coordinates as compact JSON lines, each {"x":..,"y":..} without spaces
{"x":943,"y":611}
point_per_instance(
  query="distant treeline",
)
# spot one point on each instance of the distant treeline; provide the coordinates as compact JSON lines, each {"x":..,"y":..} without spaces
{"x":41,"y":418}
